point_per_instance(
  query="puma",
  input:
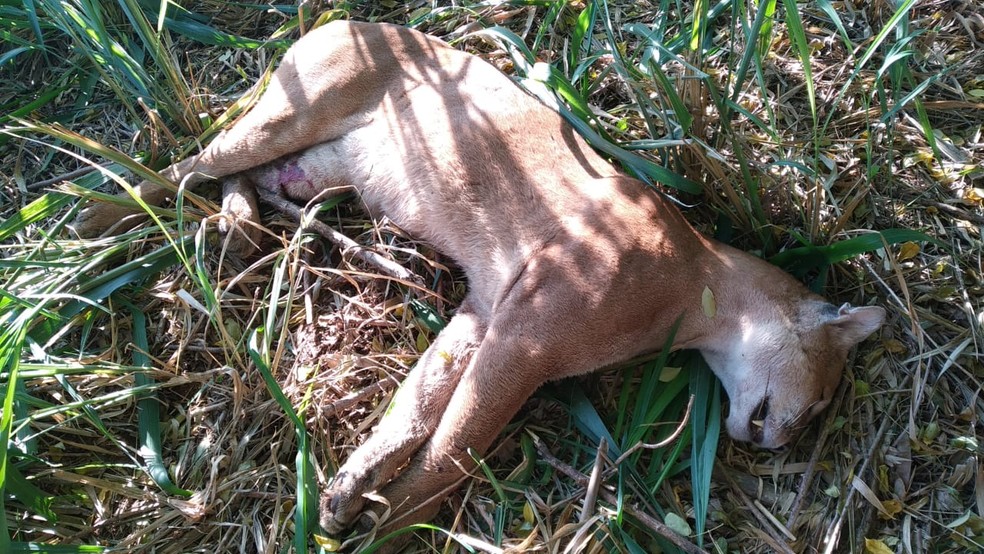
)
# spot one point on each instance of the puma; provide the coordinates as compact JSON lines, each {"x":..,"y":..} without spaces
{"x":572,"y":265}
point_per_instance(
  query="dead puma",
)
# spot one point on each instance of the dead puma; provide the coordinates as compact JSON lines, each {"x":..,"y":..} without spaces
{"x":571,"y":264}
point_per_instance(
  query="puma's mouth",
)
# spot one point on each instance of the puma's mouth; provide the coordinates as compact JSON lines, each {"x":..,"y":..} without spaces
{"x":756,"y":424}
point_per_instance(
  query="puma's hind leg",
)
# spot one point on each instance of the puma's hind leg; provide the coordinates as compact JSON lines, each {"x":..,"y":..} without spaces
{"x":319,"y":93}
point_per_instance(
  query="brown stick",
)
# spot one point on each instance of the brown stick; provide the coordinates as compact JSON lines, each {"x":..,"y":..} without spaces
{"x":594,"y":482}
{"x":36,"y":186}
{"x":386,"y":266}
{"x":665,"y":442}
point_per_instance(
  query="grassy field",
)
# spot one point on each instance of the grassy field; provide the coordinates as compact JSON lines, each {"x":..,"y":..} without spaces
{"x":163,"y":395}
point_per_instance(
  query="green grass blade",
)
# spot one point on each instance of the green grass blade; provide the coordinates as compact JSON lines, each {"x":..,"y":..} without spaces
{"x":542,"y":81}
{"x":587,"y":420}
{"x":706,"y":425}
{"x":428,"y":315}
{"x":765,"y":13}
{"x":11,"y":344}
{"x":912,"y":96}
{"x":305,"y":511}
{"x":499,"y":519}
{"x":798,"y":36}
{"x":171,"y":94}
{"x":12,"y":112}
{"x":32,"y":16}
{"x":698,"y":25}
{"x":9,"y":55}
{"x":801,"y":260}
{"x":381,"y":542}
{"x":35,"y":499}
{"x":137,"y":270}
{"x":649,"y":402}
{"x":42,"y":208}
{"x":828,"y":9}
{"x":869,"y":52}
{"x":41,"y":548}
{"x":581,"y":36}
{"x":148,"y":408}
{"x":184,"y":22}
{"x":641,"y":167}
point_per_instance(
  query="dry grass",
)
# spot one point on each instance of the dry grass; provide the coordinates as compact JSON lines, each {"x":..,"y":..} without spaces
{"x":894,"y":464}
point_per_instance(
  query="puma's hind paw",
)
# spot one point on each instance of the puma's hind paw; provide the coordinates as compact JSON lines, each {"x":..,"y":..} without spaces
{"x":97,"y":218}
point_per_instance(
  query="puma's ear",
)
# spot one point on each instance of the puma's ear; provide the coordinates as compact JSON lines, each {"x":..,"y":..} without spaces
{"x":852,"y":325}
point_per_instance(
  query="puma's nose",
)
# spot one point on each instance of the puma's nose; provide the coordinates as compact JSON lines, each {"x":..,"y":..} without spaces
{"x":756,"y":424}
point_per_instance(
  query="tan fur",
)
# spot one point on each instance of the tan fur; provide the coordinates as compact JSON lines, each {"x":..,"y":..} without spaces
{"x":571,"y":264}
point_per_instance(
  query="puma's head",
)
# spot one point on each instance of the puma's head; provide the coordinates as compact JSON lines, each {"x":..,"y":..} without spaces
{"x":781,"y":370}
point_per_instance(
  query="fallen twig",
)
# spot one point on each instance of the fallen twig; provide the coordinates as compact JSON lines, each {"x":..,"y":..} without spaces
{"x":386,"y":266}
{"x":594,"y":483}
{"x":80,"y":172}
{"x":665,"y":442}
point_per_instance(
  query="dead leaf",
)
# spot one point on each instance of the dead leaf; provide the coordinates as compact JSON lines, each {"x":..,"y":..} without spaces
{"x":668,"y":374}
{"x":892,"y":509}
{"x":908,"y":251}
{"x":708,"y":303}
{"x":874,"y":546}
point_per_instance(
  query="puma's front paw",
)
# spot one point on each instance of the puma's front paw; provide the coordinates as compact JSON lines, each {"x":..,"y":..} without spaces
{"x":342,"y":503}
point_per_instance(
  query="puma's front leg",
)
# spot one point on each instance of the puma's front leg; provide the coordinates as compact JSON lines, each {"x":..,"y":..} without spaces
{"x":504,"y":373}
{"x":540,"y":331}
{"x":413,"y":415}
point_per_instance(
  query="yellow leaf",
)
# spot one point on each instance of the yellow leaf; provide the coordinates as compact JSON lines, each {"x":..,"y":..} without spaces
{"x":892,"y":509}
{"x":528,"y":515}
{"x":708,"y":303}
{"x":668,"y":374}
{"x":894,"y":346}
{"x":872,"y":546}
{"x":328,"y":543}
{"x":422,"y":342}
{"x":908,"y":251}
